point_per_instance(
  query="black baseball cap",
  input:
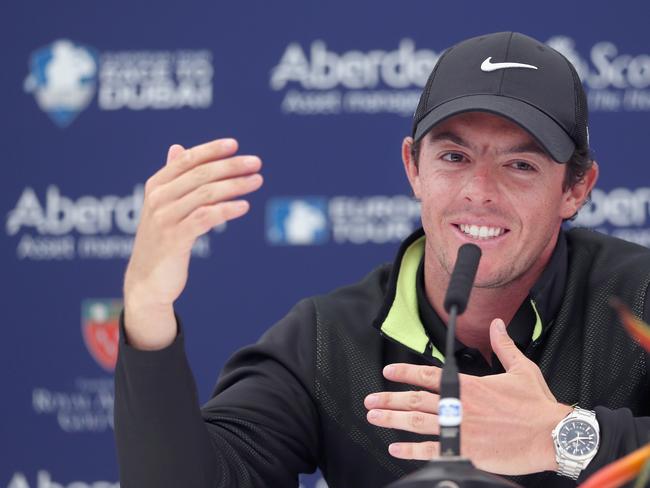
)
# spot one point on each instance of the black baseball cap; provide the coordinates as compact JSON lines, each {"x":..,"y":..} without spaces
{"x":515,"y":76}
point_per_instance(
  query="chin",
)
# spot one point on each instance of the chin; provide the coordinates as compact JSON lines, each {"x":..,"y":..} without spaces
{"x":493,"y":279}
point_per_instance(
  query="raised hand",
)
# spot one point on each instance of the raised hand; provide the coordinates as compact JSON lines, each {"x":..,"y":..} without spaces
{"x":196,"y":190}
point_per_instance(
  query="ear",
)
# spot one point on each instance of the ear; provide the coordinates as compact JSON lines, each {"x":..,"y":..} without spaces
{"x":410,"y":166}
{"x":575,"y":196}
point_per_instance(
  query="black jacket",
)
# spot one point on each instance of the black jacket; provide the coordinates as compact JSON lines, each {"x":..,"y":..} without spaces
{"x":294,"y":401}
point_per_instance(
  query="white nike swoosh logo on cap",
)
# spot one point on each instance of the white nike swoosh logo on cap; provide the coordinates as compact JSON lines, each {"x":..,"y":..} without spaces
{"x":488,"y":65}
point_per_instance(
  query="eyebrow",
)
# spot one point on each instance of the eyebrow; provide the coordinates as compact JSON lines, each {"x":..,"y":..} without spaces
{"x":526,"y":147}
{"x":448,"y":136}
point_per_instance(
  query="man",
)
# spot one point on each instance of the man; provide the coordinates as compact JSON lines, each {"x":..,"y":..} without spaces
{"x":498,"y":157}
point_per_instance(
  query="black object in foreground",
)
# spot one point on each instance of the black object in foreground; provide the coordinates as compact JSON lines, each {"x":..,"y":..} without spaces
{"x":450,"y":411}
{"x":451,"y":470}
{"x":462,"y":278}
{"x":451,"y":473}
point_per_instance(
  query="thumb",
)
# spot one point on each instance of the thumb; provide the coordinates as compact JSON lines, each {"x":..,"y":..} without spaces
{"x":503,"y":346}
{"x":173,"y":151}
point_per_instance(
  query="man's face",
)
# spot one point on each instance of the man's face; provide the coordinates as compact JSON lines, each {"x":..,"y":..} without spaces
{"x":482,"y":179}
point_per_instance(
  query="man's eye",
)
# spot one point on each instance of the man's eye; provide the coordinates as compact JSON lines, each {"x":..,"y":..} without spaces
{"x":453,"y":157}
{"x":523,"y":165}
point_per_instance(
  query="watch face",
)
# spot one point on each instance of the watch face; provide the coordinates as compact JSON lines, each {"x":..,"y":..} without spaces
{"x":578,"y":438}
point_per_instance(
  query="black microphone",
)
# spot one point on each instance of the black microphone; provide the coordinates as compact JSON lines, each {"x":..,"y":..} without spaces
{"x":462,"y":277}
{"x":450,"y":411}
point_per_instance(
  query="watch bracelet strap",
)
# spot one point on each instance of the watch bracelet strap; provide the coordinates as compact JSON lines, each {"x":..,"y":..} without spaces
{"x":568,"y":467}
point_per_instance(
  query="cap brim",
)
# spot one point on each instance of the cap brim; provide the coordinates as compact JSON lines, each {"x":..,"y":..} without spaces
{"x":542,"y":127}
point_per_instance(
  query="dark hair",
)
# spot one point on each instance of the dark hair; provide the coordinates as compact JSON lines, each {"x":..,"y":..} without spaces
{"x":576,"y":168}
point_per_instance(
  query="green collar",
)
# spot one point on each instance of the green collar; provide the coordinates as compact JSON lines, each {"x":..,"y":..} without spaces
{"x":402,"y":322}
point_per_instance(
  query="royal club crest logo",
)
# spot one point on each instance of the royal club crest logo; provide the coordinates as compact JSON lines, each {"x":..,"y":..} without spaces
{"x":100,"y":328}
{"x":297,"y":221}
{"x":63,"y":79}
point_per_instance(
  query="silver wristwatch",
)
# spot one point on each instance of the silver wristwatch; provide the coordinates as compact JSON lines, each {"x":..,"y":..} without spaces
{"x":576,"y":439}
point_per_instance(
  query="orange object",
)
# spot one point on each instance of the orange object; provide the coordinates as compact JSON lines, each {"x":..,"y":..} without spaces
{"x":636,"y":327}
{"x":619,"y":472}
{"x":627,"y":468}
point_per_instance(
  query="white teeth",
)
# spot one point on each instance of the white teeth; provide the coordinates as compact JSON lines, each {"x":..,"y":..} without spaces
{"x":482,"y":231}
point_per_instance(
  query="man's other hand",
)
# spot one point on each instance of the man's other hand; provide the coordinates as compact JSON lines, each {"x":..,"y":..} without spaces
{"x":507,"y":418}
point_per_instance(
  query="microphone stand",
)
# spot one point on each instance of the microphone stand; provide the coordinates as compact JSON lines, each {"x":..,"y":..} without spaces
{"x":450,"y":409}
{"x":451,"y":470}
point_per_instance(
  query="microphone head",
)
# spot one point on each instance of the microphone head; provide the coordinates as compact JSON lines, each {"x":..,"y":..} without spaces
{"x":462,"y":277}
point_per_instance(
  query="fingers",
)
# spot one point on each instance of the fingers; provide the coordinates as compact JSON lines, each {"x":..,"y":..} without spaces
{"x":425,"y":376}
{"x":206,"y":173}
{"x":418,"y":422}
{"x":179,"y":161}
{"x":423,"y":401}
{"x":202,"y":176}
{"x":503,"y":346}
{"x":173,"y":152}
{"x":422,"y":451}
{"x":211,"y":194}
{"x":413,"y":411}
{"x":205,"y":218}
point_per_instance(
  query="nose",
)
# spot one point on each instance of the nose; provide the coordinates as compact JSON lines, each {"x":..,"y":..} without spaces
{"x":481,"y":186}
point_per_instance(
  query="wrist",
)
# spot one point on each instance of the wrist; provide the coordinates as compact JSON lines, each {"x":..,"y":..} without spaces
{"x":148,"y":325}
{"x":576,"y":440}
{"x":549,"y":455}
{"x":141,"y":300}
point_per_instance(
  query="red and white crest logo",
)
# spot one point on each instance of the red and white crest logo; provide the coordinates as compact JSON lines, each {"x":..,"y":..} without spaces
{"x":100,"y":327}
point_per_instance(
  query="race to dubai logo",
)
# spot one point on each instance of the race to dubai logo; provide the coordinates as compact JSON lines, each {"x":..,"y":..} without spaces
{"x":100,"y":328}
{"x":63,"y":79}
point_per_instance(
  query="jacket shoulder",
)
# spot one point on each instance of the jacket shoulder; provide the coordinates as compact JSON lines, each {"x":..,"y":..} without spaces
{"x":607,"y":266}
{"x":359,"y":302}
{"x":612,"y":253}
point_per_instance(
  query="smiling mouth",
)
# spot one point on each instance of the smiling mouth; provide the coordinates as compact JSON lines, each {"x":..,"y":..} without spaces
{"x":481,"y":232}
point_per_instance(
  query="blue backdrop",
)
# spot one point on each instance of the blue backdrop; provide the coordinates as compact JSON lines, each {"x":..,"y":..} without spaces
{"x":93,"y":93}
